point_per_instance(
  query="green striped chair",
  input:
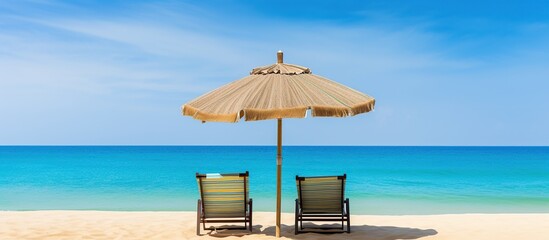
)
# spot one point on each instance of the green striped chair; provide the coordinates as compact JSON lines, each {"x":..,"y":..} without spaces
{"x":224,"y":198}
{"x":321,"y":199}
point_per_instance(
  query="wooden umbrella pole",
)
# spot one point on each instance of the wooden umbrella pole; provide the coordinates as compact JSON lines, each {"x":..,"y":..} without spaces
{"x":278,"y":177}
{"x":279,"y":56}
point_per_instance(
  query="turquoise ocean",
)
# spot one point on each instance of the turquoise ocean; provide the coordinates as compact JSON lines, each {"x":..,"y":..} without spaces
{"x":381,"y":180}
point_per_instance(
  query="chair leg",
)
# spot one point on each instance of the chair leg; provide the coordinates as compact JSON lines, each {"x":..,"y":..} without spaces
{"x":348,"y":216}
{"x":343,"y":218}
{"x":198,"y":214}
{"x":296,"y":216}
{"x":251,"y":215}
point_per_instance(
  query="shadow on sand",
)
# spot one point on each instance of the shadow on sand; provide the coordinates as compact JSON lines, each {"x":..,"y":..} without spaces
{"x":365,"y":232}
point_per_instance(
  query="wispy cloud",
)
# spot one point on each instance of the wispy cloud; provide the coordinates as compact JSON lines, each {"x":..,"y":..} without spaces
{"x":137,"y":63}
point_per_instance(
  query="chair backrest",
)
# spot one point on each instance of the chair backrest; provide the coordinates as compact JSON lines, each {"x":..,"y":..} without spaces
{"x":321,"y":194}
{"x":223,"y":195}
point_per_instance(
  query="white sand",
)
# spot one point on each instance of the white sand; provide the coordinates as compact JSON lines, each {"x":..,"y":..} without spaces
{"x":182,"y":225}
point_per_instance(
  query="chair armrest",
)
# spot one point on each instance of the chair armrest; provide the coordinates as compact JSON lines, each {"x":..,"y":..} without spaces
{"x":199,"y":209}
{"x":347,"y":210}
{"x":250,"y":205}
{"x":297,"y":206}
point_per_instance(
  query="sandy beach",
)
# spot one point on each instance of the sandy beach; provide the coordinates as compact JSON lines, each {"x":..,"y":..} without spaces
{"x":181,"y":225}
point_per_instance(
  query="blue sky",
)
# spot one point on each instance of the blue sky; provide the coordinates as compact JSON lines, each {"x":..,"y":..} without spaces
{"x":117,"y":72}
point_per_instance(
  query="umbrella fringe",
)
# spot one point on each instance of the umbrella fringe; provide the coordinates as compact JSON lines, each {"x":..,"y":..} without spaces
{"x":260,"y":114}
{"x":364,"y":107}
{"x":330,"y":111}
{"x":281,"y":68}
{"x":209,"y":117}
{"x":298,"y":112}
{"x":187,"y":110}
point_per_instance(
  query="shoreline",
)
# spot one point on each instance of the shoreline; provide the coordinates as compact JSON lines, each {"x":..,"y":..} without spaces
{"x":90,"y":224}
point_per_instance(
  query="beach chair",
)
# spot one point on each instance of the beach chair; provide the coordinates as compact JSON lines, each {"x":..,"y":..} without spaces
{"x":321,"y":199}
{"x":224,"y":198}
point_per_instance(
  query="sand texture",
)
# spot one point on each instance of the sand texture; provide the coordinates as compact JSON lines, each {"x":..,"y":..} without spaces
{"x":182,"y":225}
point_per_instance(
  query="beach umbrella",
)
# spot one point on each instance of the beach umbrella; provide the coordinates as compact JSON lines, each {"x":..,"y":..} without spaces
{"x":278,"y":91}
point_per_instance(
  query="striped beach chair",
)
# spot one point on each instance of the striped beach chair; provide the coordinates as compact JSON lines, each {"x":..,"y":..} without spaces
{"x":224,"y":198}
{"x":321,"y":199}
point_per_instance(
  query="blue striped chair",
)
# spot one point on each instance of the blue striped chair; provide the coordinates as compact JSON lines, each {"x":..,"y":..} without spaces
{"x":224,"y":198}
{"x":321,"y":199}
